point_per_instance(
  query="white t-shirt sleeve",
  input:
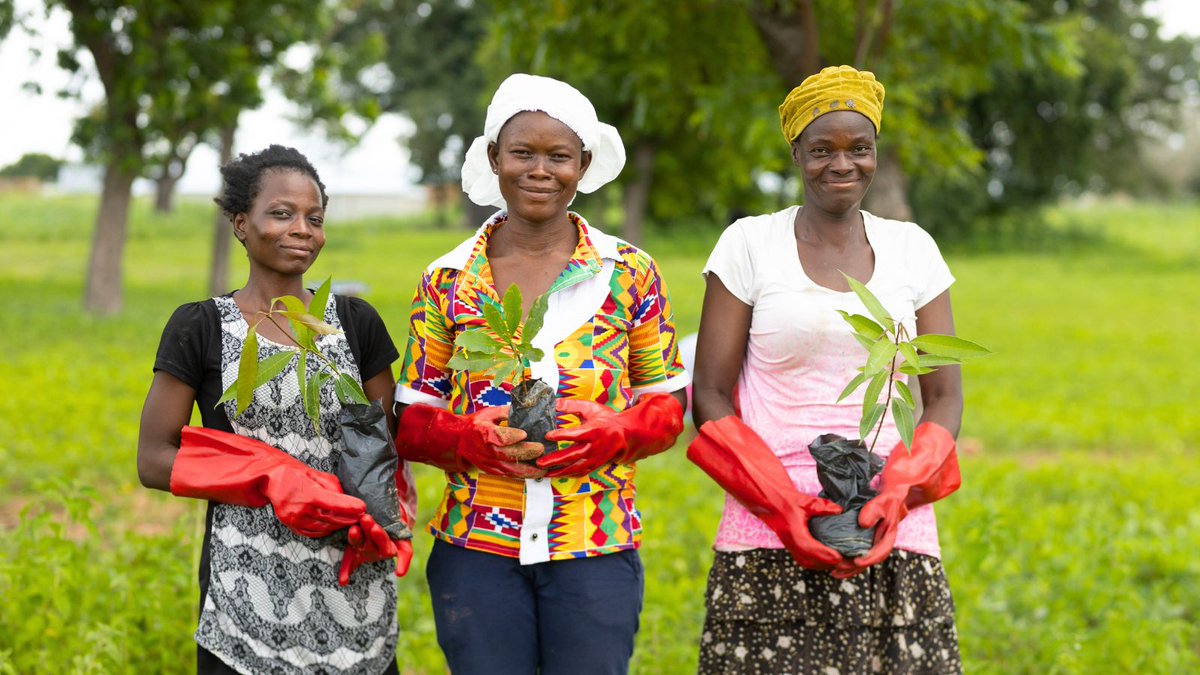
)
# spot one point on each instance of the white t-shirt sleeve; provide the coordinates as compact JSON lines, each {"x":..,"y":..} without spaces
{"x":731,"y":261}
{"x":928,"y":268}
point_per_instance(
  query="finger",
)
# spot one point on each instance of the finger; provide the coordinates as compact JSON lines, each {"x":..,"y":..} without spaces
{"x":382,"y":543}
{"x":521,"y":451}
{"x":580,"y":468}
{"x":349,"y":562}
{"x":559,"y":458}
{"x":404,"y":555}
{"x":501,"y":436}
{"x":581,"y":407}
{"x":575,"y":435}
{"x":518,"y":470}
{"x":495,"y":414}
{"x":823,"y":507}
{"x":885,"y":541}
{"x":339,"y":504}
{"x":355,"y":535}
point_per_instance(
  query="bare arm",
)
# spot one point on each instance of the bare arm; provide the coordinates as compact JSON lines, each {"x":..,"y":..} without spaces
{"x":941,"y":390}
{"x":382,"y":388}
{"x":168,"y":408}
{"x":720,"y":350}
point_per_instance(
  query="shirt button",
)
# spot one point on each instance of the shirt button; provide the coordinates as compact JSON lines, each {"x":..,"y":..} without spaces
{"x":537,"y":480}
{"x":533,"y":536}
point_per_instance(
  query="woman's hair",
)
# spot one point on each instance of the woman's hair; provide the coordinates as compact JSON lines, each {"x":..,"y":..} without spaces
{"x":243,"y":177}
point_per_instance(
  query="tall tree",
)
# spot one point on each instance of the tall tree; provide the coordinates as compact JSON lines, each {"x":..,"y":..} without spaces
{"x":172,"y":72}
{"x":429,"y":73}
{"x":684,"y":82}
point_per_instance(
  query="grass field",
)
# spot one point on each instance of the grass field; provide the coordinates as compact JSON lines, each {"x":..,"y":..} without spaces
{"x":1070,"y":549}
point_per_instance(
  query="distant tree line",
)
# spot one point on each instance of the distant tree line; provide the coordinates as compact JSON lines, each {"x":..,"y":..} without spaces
{"x":994,"y":107}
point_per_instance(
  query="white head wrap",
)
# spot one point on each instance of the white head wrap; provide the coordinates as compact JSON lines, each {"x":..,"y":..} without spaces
{"x":520,"y":93}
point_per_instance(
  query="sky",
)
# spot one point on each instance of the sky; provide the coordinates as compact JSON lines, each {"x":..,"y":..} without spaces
{"x":378,"y":165}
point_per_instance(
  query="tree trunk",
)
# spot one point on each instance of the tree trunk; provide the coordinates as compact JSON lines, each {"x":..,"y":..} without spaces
{"x":218,"y":277}
{"x":637,"y":192}
{"x":103,"y":294}
{"x":164,"y":192}
{"x":791,"y":37}
{"x":888,"y":196}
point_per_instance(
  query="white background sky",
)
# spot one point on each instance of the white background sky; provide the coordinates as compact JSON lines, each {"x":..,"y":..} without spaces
{"x":43,"y":123}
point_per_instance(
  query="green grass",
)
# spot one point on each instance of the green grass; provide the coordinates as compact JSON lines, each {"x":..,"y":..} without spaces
{"x":1070,"y":549}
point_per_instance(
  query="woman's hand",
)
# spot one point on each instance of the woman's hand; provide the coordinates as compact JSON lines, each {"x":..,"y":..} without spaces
{"x":456,"y":442}
{"x":368,"y":543}
{"x":647,"y":428}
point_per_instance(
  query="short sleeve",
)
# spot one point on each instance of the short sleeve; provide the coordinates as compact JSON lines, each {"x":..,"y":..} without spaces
{"x":730,"y":260}
{"x":369,"y":339}
{"x":654,"y":361}
{"x":927,"y":266}
{"x":184,"y":344}
{"x":425,"y":378}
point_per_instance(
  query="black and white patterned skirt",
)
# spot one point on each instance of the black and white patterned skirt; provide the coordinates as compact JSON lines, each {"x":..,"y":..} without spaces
{"x":766,"y":614}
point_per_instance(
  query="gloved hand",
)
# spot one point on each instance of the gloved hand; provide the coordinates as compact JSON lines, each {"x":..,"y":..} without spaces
{"x":455,"y":442}
{"x":909,"y":479}
{"x":232,"y":469}
{"x":741,"y":462}
{"x":368,"y":543}
{"x":647,"y":428}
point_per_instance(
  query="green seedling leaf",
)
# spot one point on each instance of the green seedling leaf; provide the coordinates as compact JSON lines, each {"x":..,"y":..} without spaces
{"x":512,"y":309}
{"x":865,"y":342}
{"x":854,"y":384}
{"x":862,"y":325}
{"x":949,"y":346}
{"x":909,"y":353}
{"x":247,"y":370}
{"x":471,"y":362}
{"x":478,"y":340}
{"x":495,"y":321}
{"x":931,"y":361}
{"x":533,"y":322}
{"x":874,"y":389}
{"x":291,"y":303}
{"x":301,"y":376}
{"x":268,"y":368}
{"x":505,"y":371}
{"x":352,"y":391}
{"x":902,"y":415}
{"x":880,"y":355}
{"x":870,"y":302}
{"x":310,"y":322}
{"x":531,"y":354}
{"x":320,"y":298}
{"x":909,"y":370}
{"x":905,"y":393}
{"x":869,"y":420}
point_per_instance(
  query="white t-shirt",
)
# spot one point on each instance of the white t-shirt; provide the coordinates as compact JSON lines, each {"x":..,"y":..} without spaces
{"x":801,"y":353}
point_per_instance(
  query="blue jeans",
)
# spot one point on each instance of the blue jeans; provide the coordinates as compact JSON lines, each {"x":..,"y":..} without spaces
{"x":495,"y":616}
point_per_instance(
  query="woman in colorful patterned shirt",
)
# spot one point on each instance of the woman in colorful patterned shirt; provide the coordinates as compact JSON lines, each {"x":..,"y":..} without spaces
{"x":535,"y":565}
{"x":772,"y":357}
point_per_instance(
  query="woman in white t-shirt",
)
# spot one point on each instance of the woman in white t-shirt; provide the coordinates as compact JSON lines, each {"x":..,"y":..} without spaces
{"x":773,"y":356}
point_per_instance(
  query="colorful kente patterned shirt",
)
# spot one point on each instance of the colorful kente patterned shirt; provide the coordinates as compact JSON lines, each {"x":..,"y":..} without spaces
{"x":609,"y":336}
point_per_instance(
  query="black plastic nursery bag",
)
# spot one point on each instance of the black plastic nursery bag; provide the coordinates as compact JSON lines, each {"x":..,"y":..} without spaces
{"x":845,"y":469}
{"x":368,"y":466}
{"x":532,"y":411}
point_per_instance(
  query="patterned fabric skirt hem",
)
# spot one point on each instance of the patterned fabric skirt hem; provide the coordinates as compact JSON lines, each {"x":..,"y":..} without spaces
{"x":766,"y":614}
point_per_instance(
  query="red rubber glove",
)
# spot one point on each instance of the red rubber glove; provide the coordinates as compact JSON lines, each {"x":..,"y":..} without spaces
{"x":740,"y":461}
{"x":370,"y":543}
{"x":909,"y":479}
{"x":233,"y":469}
{"x":647,"y":428}
{"x":455,"y":442}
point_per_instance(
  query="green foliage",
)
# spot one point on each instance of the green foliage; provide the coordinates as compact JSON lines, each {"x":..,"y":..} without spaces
{"x":890,"y":351}
{"x":504,"y":345}
{"x":304,"y":328}
{"x":1066,"y":562}
{"x":34,"y":164}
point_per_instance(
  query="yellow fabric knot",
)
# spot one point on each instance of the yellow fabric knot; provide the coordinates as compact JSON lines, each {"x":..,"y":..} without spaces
{"x":833,"y":89}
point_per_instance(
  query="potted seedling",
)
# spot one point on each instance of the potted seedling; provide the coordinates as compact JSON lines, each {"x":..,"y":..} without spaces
{"x":503,"y":347}
{"x":846,"y":467}
{"x":368,"y":465}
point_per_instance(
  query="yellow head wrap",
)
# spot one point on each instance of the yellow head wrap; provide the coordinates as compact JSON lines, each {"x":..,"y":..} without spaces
{"x":834,"y":88}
